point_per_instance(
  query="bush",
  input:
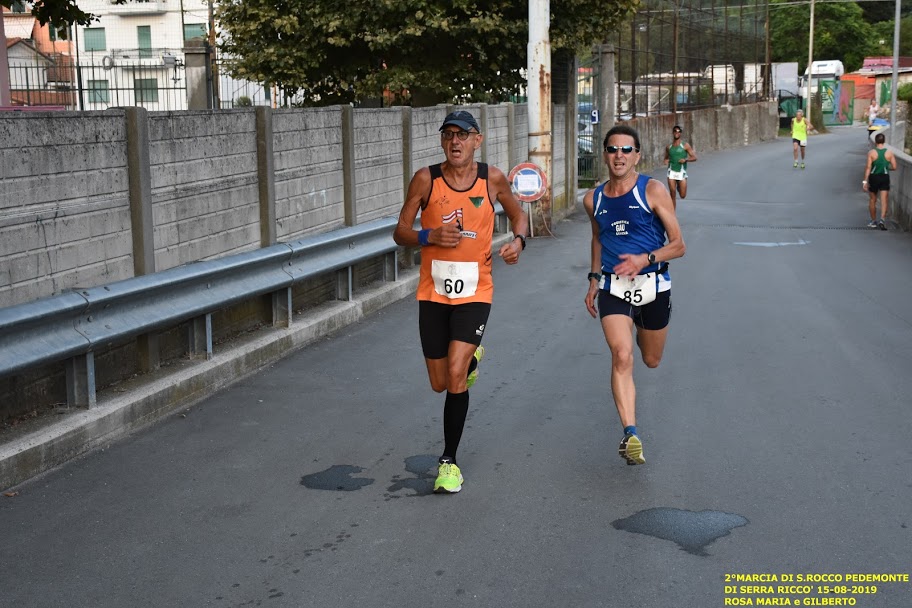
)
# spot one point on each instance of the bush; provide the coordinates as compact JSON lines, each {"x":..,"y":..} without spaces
{"x":904,"y":92}
{"x":243,"y":102}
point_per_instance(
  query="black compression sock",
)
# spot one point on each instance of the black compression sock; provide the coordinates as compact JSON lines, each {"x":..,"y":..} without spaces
{"x":473,"y":365}
{"x":455,"y":410}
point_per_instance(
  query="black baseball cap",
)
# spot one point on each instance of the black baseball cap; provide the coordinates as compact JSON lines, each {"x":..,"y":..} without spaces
{"x":677,"y":128}
{"x":461,"y":119}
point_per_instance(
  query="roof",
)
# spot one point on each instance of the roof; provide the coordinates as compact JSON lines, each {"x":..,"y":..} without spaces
{"x":27,"y":43}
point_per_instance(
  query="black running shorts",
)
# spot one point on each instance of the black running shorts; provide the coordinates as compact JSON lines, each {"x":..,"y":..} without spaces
{"x":879,"y":183}
{"x":654,"y":315}
{"x":440,"y":324}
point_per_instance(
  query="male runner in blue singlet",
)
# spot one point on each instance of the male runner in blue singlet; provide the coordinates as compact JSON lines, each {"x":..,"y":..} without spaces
{"x":631,"y":216}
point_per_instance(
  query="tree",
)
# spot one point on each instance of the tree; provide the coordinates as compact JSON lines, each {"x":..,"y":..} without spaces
{"x":840,"y":32}
{"x":59,"y":12}
{"x":418,"y":51}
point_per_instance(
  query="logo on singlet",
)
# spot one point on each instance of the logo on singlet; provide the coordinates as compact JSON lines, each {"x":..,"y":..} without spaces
{"x":476,"y":200}
{"x":620,"y":228}
{"x":453,"y":215}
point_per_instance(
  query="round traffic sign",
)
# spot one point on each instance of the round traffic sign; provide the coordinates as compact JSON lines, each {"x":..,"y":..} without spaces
{"x":528,"y":182}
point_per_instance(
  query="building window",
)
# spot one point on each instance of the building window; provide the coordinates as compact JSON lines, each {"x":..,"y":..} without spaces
{"x":98,"y":91}
{"x":52,"y":32}
{"x":18,"y":6}
{"x":194,"y":31}
{"x":94,"y":39}
{"x":145,"y":90}
{"x":144,"y":40}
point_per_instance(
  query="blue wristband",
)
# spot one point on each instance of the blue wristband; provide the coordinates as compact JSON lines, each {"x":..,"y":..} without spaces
{"x":423,"y":237}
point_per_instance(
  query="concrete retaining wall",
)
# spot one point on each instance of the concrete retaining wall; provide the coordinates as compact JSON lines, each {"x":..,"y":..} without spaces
{"x":89,"y":198}
{"x":707,"y":130}
{"x":901,"y":179}
{"x":76,"y":212}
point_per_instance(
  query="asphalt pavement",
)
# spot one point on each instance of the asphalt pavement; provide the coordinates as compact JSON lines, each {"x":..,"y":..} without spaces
{"x":777,"y":433}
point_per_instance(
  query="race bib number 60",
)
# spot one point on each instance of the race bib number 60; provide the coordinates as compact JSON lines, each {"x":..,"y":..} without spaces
{"x":455,"y":280}
{"x":638,"y":290}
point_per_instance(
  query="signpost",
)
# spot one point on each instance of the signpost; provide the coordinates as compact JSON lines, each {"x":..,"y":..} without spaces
{"x":529,"y":185}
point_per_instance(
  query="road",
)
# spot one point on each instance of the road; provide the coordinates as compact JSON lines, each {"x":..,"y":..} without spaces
{"x":776,"y":430}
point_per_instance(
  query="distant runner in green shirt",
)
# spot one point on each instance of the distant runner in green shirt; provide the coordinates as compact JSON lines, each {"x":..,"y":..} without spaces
{"x":800,"y":128}
{"x":877,"y":179}
{"x":677,"y":154}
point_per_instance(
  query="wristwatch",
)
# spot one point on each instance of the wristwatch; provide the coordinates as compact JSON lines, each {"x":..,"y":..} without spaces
{"x":521,"y":238}
{"x":651,"y":257}
{"x":595,"y":275}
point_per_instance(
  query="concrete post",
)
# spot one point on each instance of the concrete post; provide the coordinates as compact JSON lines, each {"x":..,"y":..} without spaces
{"x":196,"y":74}
{"x":348,"y":165}
{"x":607,"y":97}
{"x":266,"y":176}
{"x":407,"y":171}
{"x":571,"y":149}
{"x":483,"y":123}
{"x":511,"y":137}
{"x":4,"y":69}
{"x":139,"y":175}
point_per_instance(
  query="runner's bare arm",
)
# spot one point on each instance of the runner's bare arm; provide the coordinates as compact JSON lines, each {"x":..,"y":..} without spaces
{"x":660,"y":202}
{"x":691,"y":155}
{"x":499,"y":190}
{"x":596,"y":253}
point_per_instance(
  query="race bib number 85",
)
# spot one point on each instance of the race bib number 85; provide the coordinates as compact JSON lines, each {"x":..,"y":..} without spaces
{"x":455,"y":280}
{"x":638,"y":290}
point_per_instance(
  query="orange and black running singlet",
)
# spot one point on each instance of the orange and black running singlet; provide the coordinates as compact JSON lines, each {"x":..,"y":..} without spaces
{"x":461,"y":274}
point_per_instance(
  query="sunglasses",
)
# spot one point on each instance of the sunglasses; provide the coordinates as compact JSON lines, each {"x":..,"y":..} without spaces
{"x":462,"y":135}
{"x":624,"y":149}
{"x":676,"y":130}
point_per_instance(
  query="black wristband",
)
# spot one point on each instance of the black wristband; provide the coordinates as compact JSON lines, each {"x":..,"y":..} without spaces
{"x":521,"y":238}
{"x":595,"y":275}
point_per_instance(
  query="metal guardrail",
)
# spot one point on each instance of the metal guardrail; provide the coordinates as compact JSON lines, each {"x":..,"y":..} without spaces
{"x":73,"y":325}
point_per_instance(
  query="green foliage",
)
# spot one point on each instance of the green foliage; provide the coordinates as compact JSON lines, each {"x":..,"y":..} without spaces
{"x":243,"y":102}
{"x":418,"y":51}
{"x":840,"y":32}
{"x":904,"y":92}
{"x":883,"y":38}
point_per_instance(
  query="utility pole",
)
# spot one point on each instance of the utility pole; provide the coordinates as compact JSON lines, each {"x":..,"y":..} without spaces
{"x":538,"y":90}
{"x":216,"y":101}
{"x":810,"y":79}
{"x":895,"y":84}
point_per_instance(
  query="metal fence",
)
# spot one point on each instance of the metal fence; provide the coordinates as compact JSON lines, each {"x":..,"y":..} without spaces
{"x":150,"y":78}
{"x":678,"y":55}
{"x":689,"y":54}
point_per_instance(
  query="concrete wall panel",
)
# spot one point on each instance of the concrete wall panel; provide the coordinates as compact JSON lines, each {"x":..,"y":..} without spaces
{"x":308,"y":163}
{"x":64,"y":207}
{"x":378,"y":163}
{"x":205,"y":204}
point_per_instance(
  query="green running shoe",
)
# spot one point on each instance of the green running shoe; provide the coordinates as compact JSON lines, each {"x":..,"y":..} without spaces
{"x":795,"y":165}
{"x":449,"y":478}
{"x":802,"y":165}
{"x":631,"y":450}
{"x":479,"y":355}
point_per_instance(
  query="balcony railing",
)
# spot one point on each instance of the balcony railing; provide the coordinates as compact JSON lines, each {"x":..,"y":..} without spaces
{"x":139,"y":7}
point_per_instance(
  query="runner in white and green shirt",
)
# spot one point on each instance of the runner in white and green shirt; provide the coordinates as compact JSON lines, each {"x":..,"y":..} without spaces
{"x":677,"y":154}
